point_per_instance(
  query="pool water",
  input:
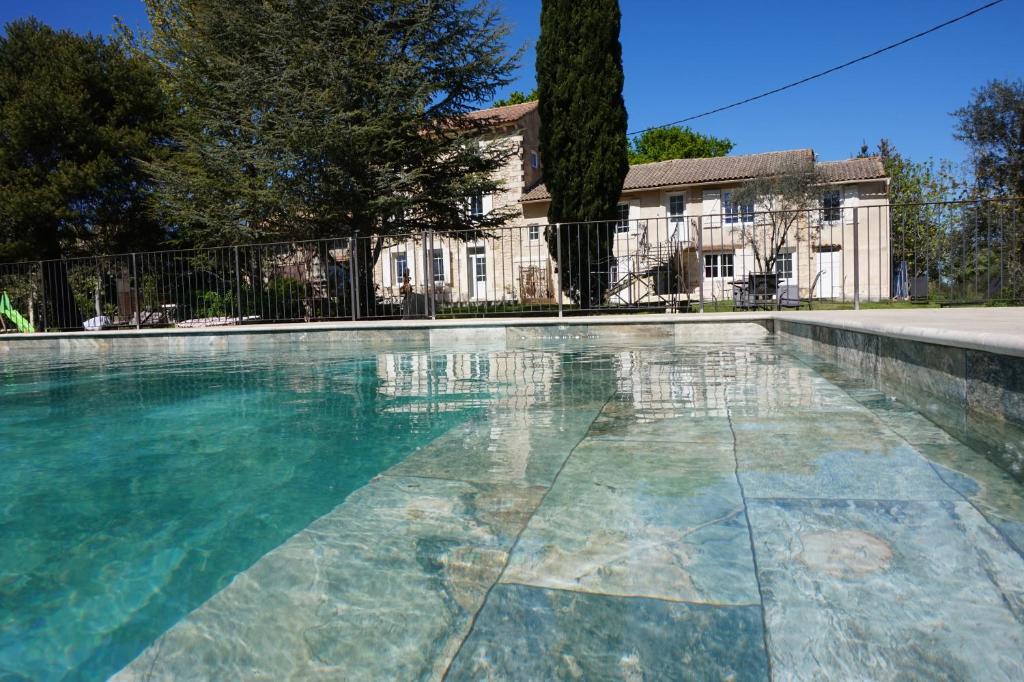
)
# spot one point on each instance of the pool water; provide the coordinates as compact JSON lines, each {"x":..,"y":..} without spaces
{"x":724,"y":508}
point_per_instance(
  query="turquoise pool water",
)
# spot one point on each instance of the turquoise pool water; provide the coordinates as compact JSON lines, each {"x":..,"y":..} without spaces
{"x":133,"y":487}
{"x":620,"y":508}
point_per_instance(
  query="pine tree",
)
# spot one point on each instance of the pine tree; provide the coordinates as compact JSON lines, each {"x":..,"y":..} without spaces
{"x":582,"y":136}
{"x":303,"y":119}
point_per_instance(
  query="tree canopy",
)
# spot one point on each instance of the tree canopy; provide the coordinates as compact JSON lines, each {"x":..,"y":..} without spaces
{"x":305,"y":119}
{"x":79,"y":117}
{"x":992,"y":126}
{"x":674,"y":142}
{"x":582,"y":135}
{"x":517,"y":97}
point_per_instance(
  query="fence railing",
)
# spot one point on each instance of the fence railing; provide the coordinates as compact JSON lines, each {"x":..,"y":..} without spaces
{"x":946,"y":253}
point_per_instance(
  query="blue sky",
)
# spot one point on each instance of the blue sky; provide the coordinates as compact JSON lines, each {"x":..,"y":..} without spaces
{"x":683,"y":58}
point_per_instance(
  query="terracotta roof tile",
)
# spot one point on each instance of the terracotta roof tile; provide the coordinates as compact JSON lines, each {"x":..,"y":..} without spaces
{"x":500,"y":115}
{"x":867,"y":168}
{"x":728,"y":168}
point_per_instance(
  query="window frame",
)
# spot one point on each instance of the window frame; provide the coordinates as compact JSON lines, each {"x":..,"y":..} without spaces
{"x":733,"y":213}
{"x":533,"y":233}
{"x":400,"y":257}
{"x":788,"y":257}
{"x":622,"y":224}
{"x":473,"y":208}
{"x":715,"y":265}
{"x":832,"y":213}
{"x":437,"y":264}
{"x":675,"y":217}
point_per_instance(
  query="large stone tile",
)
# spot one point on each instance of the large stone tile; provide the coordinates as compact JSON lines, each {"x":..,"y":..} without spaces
{"x":641,"y":519}
{"x":526,"y":633}
{"x":619,"y":421}
{"x":995,"y":385}
{"x":383,"y":587}
{"x":526,"y":447}
{"x":801,"y":470}
{"x":996,"y":494}
{"x":937,"y":370}
{"x":883,"y":590}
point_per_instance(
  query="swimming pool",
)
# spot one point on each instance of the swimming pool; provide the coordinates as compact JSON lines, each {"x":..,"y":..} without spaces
{"x":600,"y":508}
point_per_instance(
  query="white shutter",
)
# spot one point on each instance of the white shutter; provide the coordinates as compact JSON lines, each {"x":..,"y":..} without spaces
{"x":851,"y":199}
{"x":387,"y":264}
{"x":712,"y":208}
{"x":488,"y":203}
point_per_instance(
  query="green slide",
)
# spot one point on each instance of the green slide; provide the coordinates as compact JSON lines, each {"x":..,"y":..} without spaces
{"x":14,"y":316}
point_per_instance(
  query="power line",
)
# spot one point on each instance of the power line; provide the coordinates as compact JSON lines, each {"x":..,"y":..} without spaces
{"x":824,"y":73}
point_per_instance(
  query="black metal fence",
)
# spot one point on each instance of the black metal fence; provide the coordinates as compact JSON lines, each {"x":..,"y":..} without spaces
{"x":737,"y":258}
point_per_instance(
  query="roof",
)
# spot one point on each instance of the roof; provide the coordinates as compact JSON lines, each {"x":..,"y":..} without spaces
{"x":865,"y":168}
{"x":725,"y":168}
{"x":501,"y":115}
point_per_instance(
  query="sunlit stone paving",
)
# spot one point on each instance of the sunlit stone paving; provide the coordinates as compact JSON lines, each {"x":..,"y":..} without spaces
{"x":607,"y":508}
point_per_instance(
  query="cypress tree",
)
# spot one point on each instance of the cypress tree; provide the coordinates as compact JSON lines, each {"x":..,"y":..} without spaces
{"x":582,"y":136}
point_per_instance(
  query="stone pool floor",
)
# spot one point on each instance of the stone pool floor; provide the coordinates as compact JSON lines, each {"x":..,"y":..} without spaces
{"x":710,"y":511}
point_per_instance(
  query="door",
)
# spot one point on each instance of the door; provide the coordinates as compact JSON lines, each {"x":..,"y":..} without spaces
{"x":830,"y":274}
{"x":476,"y":257}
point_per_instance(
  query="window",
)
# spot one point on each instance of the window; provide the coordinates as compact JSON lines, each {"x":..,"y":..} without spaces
{"x":534,"y":160}
{"x":534,"y":232}
{"x":784,"y":265}
{"x":477,"y":263}
{"x":831,"y":206}
{"x":438,"y":262}
{"x":736,"y":213}
{"x":676,"y":207}
{"x":401,"y":265}
{"x":622,"y":223}
{"x":476,"y":205}
{"x":718,"y":265}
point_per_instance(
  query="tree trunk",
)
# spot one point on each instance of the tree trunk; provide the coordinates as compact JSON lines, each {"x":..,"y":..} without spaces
{"x":57,"y":294}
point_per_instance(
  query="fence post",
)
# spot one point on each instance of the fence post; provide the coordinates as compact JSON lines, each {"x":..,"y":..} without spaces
{"x":432,"y":301}
{"x":42,"y":294}
{"x":700,"y":260}
{"x":238,"y":287}
{"x":352,"y":276}
{"x":558,"y":261}
{"x":427,"y":273}
{"x":135,"y":291}
{"x":856,"y":259}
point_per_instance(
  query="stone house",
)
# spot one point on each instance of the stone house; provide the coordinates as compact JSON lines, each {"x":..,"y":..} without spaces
{"x":679,"y":236}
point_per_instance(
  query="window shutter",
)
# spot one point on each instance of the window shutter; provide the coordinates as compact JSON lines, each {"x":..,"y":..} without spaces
{"x":488,"y":203}
{"x":851,"y":199}
{"x":712,"y":208}
{"x":387,"y":265}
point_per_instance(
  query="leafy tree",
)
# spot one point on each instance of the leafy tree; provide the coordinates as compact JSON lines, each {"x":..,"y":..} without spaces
{"x":303,"y":119}
{"x":922,"y":228}
{"x":781,"y":202}
{"x":517,"y":97}
{"x":662,"y":144}
{"x":79,"y":119}
{"x":582,"y":136}
{"x":992,"y":126}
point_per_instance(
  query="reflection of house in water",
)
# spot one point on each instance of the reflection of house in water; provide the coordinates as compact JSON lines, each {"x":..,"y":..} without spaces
{"x":442,"y":381}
